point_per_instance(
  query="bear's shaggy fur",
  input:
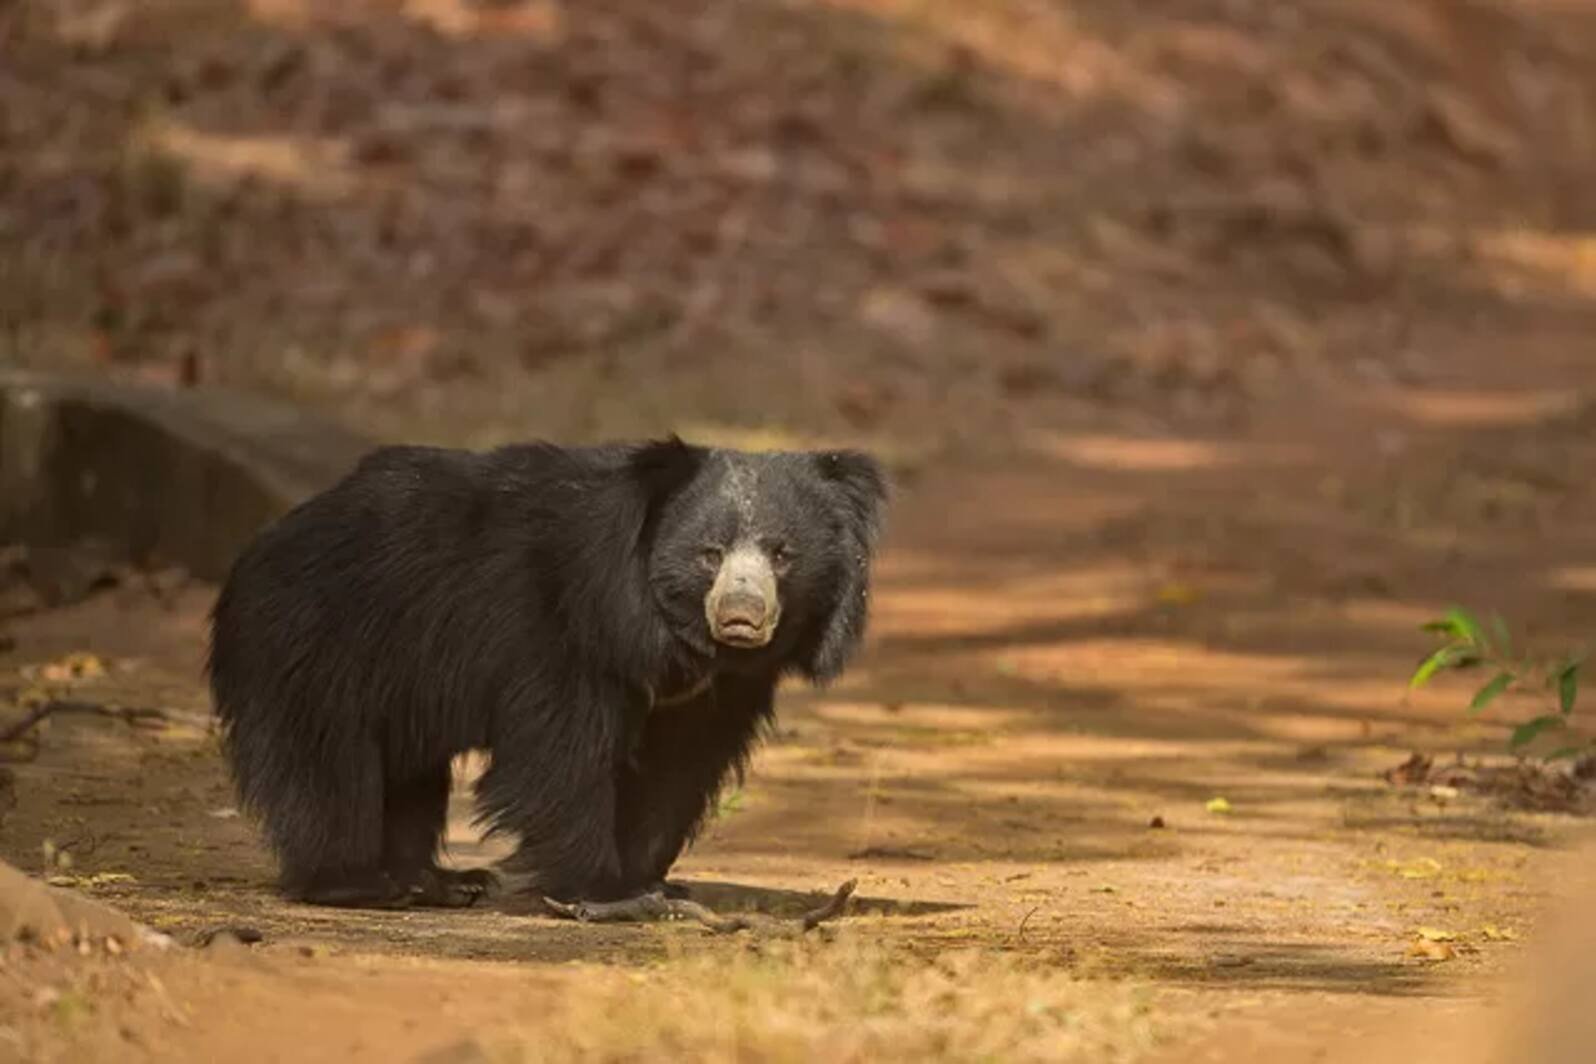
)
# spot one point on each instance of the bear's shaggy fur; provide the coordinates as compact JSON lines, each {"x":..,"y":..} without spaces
{"x":609,"y":623}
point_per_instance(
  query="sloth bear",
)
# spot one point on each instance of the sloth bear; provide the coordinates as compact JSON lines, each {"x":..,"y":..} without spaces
{"x":609,"y":623}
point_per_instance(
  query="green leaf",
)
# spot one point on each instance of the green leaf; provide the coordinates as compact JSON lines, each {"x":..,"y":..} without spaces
{"x":1467,"y":624}
{"x":1460,"y":625}
{"x":1565,"y":752}
{"x":1526,"y":732}
{"x":729,"y":804}
{"x":1568,"y":686}
{"x":1504,"y":642}
{"x":1487,"y":694}
{"x":1451,"y":656}
{"x":1445,"y":658}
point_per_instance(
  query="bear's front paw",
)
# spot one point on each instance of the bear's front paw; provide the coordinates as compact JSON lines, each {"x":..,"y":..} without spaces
{"x":448,"y":888}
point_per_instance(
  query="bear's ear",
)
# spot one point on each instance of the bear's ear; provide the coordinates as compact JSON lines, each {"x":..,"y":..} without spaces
{"x":662,"y":467}
{"x":862,"y":485}
{"x":859,"y":486}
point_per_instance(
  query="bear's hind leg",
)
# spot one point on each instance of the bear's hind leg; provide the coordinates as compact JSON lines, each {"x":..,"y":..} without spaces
{"x":415,"y":815}
{"x":364,"y":888}
{"x":325,"y":822}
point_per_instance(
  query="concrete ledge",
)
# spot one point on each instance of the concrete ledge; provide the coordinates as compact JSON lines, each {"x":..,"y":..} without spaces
{"x":157,"y":476}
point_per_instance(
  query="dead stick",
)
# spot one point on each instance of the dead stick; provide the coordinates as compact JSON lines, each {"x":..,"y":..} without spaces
{"x":131,"y":714}
{"x":25,"y":725}
{"x":241,"y":933}
{"x":656,"y":906}
{"x":833,"y":907}
{"x":717,"y":923}
{"x":651,"y":906}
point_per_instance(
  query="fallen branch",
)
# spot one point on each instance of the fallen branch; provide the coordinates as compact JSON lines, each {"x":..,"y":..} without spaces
{"x":833,"y":908}
{"x":721,"y":925}
{"x":239,"y":933}
{"x":138,"y":716}
{"x":1020,"y":935}
{"x":656,"y":906}
{"x":25,"y":725}
{"x":651,"y":906}
{"x":889,"y":853}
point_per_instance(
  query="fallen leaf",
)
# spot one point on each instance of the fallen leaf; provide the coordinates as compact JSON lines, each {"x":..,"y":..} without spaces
{"x":1420,"y":868}
{"x":1492,"y":933}
{"x":98,"y":879}
{"x":79,"y":665}
{"x":1217,"y":805}
{"x":1435,"y":934}
{"x":32,"y":697}
{"x":1231,"y":961}
{"x":1424,"y":950}
{"x":1414,"y":770}
{"x":101,"y":879}
{"x":1179,"y":594}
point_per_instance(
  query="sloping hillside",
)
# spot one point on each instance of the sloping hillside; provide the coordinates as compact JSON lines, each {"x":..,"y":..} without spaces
{"x":933,"y":221}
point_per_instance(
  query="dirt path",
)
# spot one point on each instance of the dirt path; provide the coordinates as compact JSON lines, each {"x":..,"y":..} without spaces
{"x":1068,"y":651}
{"x":1349,"y":242}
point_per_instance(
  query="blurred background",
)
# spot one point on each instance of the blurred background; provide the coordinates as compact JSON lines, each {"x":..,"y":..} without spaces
{"x":941,"y":225}
{"x":1231,"y":341}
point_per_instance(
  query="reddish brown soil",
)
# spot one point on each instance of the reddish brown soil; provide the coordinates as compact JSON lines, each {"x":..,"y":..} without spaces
{"x":1215,"y":357}
{"x":1063,"y":651}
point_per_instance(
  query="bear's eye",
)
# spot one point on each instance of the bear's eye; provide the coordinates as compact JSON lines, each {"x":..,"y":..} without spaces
{"x":711,"y":557}
{"x":780,"y":555}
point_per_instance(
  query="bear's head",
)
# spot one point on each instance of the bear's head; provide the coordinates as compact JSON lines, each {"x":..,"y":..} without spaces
{"x":760,"y":561}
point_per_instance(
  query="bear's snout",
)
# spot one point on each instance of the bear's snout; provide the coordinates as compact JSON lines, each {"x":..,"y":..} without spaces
{"x":742,"y":607}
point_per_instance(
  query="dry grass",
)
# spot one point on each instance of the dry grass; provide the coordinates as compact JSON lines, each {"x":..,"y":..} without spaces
{"x":841,"y":1001}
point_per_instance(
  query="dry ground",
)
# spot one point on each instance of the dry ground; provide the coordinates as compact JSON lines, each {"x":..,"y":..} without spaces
{"x":1215,"y":358}
{"x":1063,"y":651}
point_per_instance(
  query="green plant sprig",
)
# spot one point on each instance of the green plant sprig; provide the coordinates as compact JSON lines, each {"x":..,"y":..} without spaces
{"x":1467,"y":644}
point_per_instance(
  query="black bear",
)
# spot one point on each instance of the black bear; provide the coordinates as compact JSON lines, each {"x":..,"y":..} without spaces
{"x":609,"y":623}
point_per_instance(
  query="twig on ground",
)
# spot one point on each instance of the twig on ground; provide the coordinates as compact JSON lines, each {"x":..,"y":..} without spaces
{"x":892,"y":853}
{"x":656,"y":906}
{"x":240,"y":933}
{"x":25,"y":725}
{"x":138,"y":716}
{"x":82,"y":846}
{"x":642,"y":907}
{"x":833,"y":908}
{"x":1020,"y":934}
{"x":651,"y":906}
{"x":721,"y":925}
